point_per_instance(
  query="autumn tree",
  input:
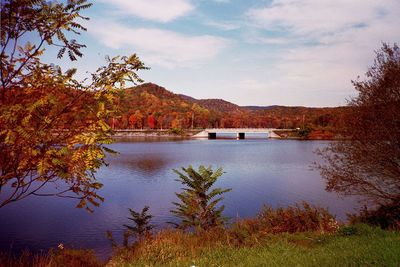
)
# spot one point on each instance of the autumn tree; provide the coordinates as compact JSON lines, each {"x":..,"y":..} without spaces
{"x":52,"y":127}
{"x":368,"y":165}
{"x":132,"y":121}
{"x":139,"y":119}
{"x":151,"y":122}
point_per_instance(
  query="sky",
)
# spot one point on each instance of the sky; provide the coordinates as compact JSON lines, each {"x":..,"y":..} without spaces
{"x":265,"y":52}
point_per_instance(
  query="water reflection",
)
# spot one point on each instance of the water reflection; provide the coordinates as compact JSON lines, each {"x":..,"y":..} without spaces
{"x":149,"y":139}
{"x":147,"y":165}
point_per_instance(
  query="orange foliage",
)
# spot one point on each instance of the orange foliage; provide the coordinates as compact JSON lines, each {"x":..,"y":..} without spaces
{"x":151,"y":122}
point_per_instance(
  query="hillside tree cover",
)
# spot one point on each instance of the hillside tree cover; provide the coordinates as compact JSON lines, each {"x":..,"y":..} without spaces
{"x":368,"y":165}
{"x":53,"y":128}
{"x":153,"y":107}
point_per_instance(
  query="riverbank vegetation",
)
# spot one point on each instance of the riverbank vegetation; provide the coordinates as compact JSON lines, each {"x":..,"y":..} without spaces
{"x":242,"y":245}
{"x":358,"y":245}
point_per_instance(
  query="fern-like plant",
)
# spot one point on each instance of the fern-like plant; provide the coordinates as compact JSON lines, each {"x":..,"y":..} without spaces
{"x":198,"y":208}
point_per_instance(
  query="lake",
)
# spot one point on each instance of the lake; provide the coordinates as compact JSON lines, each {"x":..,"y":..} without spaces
{"x":275,"y":172}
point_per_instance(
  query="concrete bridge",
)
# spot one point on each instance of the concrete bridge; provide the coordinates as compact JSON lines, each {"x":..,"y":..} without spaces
{"x":241,"y":132}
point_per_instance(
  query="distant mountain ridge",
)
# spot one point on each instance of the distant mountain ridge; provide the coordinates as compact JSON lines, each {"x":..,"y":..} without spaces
{"x":224,"y":106}
{"x":214,"y":103}
{"x":260,"y":107}
{"x":152,"y":106}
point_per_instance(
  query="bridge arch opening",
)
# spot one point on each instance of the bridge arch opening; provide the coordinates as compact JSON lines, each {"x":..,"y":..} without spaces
{"x":240,"y":135}
{"x":212,"y":135}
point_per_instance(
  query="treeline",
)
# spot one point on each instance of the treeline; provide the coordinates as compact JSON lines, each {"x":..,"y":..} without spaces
{"x":151,"y":106}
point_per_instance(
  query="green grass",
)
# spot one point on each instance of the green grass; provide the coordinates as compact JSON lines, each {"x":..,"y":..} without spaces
{"x":359,"y":245}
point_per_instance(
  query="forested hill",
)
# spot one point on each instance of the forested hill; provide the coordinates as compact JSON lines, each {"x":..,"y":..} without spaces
{"x":219,"y":105}
{"x":152,"y":106}
{"x":259,"y":107}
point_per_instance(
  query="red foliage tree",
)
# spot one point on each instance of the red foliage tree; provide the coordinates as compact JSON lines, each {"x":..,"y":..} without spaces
{"x":151,"y":122}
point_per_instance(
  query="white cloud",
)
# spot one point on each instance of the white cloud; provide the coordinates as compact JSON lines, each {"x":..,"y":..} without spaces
{"x":251,"y":84}
{"x":326,"y":43}
{"x":157,"y":10}
{"x":321,"y":16}
{"x":226,"y":26}
{"x":159,"y":47}
{"x":268,"y":40}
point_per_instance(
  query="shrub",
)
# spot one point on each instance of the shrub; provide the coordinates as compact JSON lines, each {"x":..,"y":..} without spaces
{"x":321,"y":134}
{"x":177,"y":131}
{"x":305,"y":131}
{"x":198,"y":209}
{"x":347,"y":231}
{"x":60,"y":257}
{"x":142,"y":222}
{"x":73,"y":258}
{"x":291,"y":219}
{"x":140,"y":230}
{"x":385,"y":216}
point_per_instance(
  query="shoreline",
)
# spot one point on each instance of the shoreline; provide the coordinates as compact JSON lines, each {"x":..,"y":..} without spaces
{"x":154,"y":133}
{"x":191,"y":135}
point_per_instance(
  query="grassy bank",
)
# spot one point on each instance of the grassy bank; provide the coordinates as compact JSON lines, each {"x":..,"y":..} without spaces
{"x":359,"y":245}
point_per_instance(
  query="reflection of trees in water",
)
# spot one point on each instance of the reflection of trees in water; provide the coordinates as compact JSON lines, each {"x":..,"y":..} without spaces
{"x":147,"y":165}
{"x":150,"y":164}
{"x":148,"y":139}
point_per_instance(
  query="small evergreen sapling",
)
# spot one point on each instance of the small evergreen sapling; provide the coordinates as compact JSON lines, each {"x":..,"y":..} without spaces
{"x":142,"y":228}
{"x":198,"y":208}
{"x":142,"y":221}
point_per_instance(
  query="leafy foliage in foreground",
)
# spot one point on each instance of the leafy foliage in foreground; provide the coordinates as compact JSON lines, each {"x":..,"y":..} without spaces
{"x":52,"y":127}
{"x":198,"y":208}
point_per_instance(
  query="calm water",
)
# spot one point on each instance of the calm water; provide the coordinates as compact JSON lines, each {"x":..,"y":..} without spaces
{"x":259,"y":171}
